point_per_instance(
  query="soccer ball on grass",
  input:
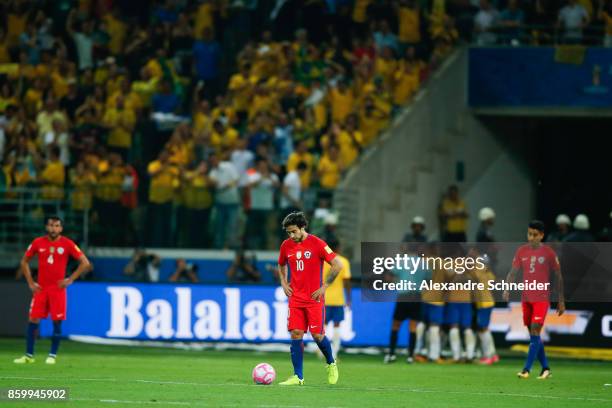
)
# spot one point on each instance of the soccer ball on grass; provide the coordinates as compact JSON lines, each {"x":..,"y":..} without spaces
{"x":264,"y":374}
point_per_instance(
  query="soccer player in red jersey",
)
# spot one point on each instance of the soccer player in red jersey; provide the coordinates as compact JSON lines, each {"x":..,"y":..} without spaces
{"x":49,"y":293}
{"x":303,"y":254}
{"x":537,"y":261}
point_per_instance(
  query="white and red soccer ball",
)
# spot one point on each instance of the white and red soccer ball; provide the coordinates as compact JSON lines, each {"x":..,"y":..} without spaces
{"x":264,"y":374}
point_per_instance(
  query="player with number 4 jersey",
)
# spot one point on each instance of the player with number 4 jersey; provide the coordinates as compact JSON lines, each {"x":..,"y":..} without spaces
{"x":49,"y":293}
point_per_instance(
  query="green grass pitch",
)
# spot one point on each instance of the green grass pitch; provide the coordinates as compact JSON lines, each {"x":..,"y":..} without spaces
{"x":111,"y":376}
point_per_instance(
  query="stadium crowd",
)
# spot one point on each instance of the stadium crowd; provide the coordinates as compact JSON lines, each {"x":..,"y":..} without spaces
{"x":163,"y":115}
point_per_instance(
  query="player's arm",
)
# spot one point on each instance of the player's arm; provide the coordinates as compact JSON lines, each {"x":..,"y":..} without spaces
{"x":560,"y":288}
{"x":347,"y":291}
{"x":27,"y":272}
{"x":510,"y":278}
{"x":177,"y":273}
{"x":84,"y":266}
{"x":193,"y":277}
{"x":336,"y":267}
{"x":282,"y":274}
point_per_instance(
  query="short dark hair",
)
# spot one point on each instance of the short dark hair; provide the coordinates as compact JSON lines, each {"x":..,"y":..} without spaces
{"x":295,"y":218}
{"x":54,"y":218}
{"x":302,"y":165}
{"x":537,"y":225}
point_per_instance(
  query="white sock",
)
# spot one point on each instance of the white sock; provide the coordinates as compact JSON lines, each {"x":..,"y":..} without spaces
{"x":491,"y":341}
{"x":419,"y":334}
{"x":434,"y":343}
{"x":485,"y":341}
{"x":455,"y":342}
{"x":470,"y":343}
{"x":336,"y":341}
{"x":483,"y":344}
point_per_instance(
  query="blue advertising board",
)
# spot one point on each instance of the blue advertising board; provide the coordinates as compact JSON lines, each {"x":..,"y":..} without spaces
{"x":204,"y":313}
{"x":540,"y":77}
{"x":258,"y":314}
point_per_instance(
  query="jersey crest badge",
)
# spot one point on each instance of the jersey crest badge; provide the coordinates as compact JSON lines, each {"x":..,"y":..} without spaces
{"x":541,"y":260}
{"x":307,"y":254}
{"x":60,"y":250}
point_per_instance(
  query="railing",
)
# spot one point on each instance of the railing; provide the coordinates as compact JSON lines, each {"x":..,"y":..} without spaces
{"x":22,"y":215}
{"x":187,"y":220}
{"x":539,"y":34}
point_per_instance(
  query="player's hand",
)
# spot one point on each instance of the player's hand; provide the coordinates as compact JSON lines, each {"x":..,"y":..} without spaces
{"x":35,"y":287}
{"x":64,"y":283}
{"x":287,"y":289}
{"x":506,"y":295}
{"x":560,"y":308}
{"x":317,"y":294}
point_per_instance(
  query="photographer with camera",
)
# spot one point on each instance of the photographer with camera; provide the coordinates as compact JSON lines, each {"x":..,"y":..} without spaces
{"x":143,"y":267}
{"x":243,"y":269}
{"x":185,"y":272}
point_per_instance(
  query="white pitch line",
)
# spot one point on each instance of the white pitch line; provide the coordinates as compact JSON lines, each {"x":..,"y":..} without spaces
{"x":414,"y":390}
{"x":138,"y":402}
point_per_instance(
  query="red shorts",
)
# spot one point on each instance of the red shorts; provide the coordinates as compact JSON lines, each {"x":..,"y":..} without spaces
{"x":49,"y":301}
{"x":307,"y":318}
{"x":534,"y":312}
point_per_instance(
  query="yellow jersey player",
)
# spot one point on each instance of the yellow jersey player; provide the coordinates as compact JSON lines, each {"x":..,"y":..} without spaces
{"x":433,"y":312}
{"x":338,"y":295}
{"x":484,"y":303}
{"x":458,"y":315}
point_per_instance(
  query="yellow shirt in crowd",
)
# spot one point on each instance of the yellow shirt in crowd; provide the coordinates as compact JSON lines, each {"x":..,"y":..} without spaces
{"x":161,"y":188}
{"x":292,"y":162}
{"x":83,"y":188}
{"x":406,"y":84}
{"x":108,"y":187}
{"x":409,"y":25}
{"x":341,"y":104}
{"x":225,"y":140}
{"x":121,"y":123}
{"x":455,"y":223}
{"x":329,"y":172}
{"x":53,"y":178}
{"x":195,"y":193}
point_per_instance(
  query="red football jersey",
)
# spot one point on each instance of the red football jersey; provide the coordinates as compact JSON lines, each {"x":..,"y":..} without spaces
{"x":52,"y":258}
{"x":305,"y":260}
{"x":536,"y":264}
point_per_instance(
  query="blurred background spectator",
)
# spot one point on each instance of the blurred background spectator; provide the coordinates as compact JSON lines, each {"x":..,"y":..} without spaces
{"x":143,"y":267}
{"x":243,"y":269}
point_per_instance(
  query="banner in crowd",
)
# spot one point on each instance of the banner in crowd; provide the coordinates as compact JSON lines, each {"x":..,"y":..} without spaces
{"x":203,"y":313}
{"x":540,"y":77}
